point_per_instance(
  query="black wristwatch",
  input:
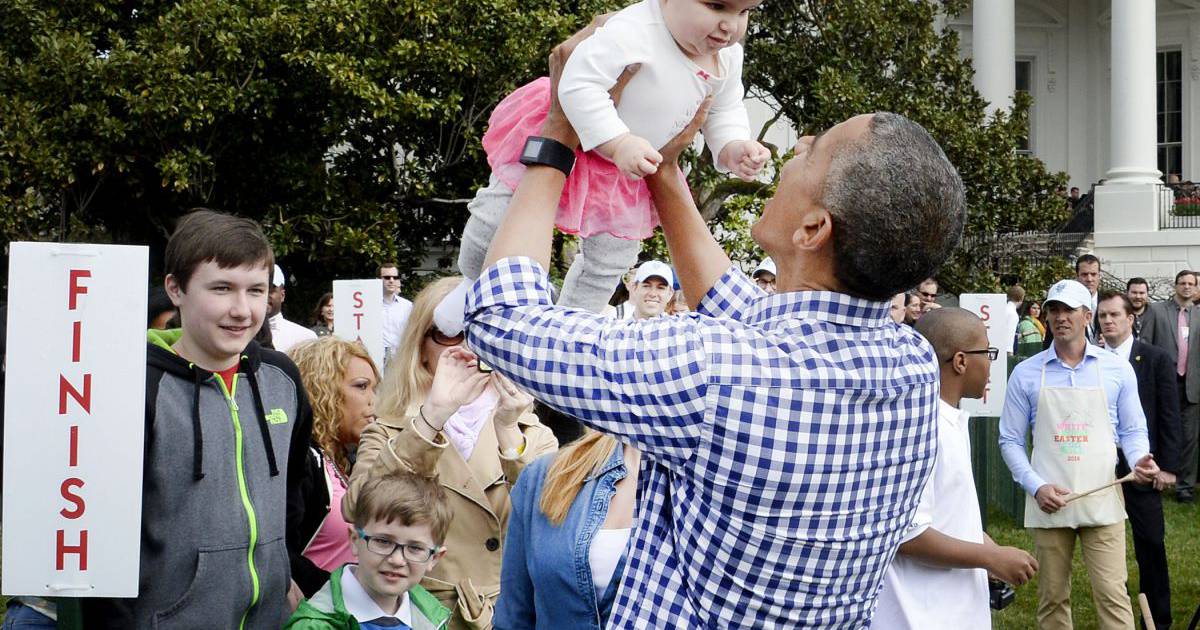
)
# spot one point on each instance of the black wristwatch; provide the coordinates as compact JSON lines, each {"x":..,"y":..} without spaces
{"x":548,"y":152}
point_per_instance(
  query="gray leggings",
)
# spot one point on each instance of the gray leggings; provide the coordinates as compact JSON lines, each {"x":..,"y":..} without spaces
{"x":594,"y":275}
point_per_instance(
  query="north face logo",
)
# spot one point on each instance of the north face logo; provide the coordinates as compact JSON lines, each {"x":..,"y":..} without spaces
{"x":277,"y":416}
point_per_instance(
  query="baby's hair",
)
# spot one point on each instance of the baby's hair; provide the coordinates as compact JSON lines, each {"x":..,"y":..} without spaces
{"x":407,"y":498}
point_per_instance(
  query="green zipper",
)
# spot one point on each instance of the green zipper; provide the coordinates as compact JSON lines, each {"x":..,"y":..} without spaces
{"x":241,"y":476}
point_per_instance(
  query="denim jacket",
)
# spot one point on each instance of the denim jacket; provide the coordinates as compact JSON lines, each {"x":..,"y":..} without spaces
{"x":546,"y":580}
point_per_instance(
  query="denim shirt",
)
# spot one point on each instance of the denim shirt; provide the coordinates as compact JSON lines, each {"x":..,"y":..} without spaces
{"x":546,"y":581}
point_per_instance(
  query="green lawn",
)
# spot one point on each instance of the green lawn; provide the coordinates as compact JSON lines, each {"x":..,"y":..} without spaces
{"x":1183,"y":547}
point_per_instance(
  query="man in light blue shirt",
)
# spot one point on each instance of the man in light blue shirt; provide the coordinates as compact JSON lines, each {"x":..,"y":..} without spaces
{"x":1080,"y":404}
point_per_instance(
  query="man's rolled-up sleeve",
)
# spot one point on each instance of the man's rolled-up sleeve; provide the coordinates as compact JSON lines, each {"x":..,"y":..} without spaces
{"x":643,"y":380}
{"x":1015,"y":420}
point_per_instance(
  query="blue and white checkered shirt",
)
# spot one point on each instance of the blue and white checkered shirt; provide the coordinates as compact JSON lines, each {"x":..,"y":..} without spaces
{"x":786,"y":440}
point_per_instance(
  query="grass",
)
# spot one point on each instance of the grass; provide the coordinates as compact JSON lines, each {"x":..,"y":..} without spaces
{"x":1183,"y":546}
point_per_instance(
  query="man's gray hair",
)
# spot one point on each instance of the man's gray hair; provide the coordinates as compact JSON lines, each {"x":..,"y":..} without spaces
{"x":898,"y":208}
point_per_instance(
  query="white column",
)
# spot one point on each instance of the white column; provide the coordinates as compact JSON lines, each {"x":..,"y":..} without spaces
{"x":993,"y":47}
{"x":1133,"y":130}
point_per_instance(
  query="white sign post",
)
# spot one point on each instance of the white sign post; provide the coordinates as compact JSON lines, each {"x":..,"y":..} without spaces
{"x":990,"y":307}
{"x":358,"y":314}
{"x":74,"y":419}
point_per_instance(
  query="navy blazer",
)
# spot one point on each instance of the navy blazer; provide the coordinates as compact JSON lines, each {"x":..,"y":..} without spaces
{"x":1160,"y":401}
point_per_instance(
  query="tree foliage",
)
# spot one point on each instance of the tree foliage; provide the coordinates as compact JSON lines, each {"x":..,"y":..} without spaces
{"x":351,"y":128}
{"x":823,"y":61}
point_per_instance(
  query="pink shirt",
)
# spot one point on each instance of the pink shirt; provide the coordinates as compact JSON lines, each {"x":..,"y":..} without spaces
{"x":330,"y":548}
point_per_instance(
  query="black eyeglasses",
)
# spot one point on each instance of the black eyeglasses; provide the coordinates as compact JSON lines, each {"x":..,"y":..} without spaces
{"x":386,"y":547}
{"x":389,"y":277}
{"x":444,"y":340}
{"x":992,"y":353}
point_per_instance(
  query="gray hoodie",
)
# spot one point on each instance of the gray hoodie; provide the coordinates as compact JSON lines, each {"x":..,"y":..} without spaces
{"x":220,"y":468}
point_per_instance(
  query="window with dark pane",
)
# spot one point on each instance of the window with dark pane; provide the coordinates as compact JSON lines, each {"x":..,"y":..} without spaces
{"x":1169,"y":98}
{"x":1024,"y":83}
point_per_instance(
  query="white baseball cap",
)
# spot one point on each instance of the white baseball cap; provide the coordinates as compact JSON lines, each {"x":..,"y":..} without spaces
{"x":767,"y":265}
{"x":277,"y":278}
{"x":655,"y":268}
{"x":1069,"y":292}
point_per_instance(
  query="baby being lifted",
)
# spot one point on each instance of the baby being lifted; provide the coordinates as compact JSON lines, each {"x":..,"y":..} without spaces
{"x":686,"y":50}
{"x":698,"y":54}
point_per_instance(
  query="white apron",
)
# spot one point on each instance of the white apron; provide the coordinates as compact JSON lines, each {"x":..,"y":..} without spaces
{"x":1073,"y":447}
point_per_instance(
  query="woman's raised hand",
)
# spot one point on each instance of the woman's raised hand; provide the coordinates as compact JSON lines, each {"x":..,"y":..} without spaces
{"x":514,"y":401}
{"x":457,"y":382}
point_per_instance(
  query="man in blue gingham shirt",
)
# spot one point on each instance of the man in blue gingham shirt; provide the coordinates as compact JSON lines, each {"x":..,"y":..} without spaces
{"x":786,"y":439}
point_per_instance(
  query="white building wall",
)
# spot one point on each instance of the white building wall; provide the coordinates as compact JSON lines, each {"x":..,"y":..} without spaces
{"x":1069,"y":42}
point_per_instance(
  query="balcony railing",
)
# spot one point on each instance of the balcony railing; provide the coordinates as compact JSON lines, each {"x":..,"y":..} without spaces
{"x":1179,"y":206}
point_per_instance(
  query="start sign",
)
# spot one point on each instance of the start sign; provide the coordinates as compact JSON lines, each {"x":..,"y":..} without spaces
{"x":358,"y":314}
{"x":74,"y":417}
{"x":990,"y":307}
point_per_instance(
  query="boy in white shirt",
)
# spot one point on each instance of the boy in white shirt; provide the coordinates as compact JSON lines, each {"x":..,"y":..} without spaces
{"x":939,"y":577}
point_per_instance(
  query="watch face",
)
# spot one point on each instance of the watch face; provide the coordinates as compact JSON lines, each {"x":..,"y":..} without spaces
{"x":533,"y":147}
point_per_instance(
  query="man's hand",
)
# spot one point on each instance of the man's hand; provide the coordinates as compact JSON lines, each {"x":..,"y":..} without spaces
{"x":1051,"y":497}
{"x":744,"y":158}
{"x":1164,"y":480}
{"x":1010,"y":564}
{"x":1146,"y":469}
{"x":557,"y":126}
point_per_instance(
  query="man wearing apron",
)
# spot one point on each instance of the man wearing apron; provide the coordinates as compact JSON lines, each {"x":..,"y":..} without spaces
{"x":1080,"y":403}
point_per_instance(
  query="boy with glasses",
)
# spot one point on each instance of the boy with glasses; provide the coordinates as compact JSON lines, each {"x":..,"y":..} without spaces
{"x":400,"y":523}
{"x":939,"y":577}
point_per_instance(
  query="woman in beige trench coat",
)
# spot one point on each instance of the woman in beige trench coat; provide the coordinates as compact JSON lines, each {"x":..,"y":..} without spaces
{"x":439,"y":415}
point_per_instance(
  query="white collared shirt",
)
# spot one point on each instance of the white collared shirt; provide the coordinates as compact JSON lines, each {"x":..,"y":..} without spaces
{"x":360,"y":605}
{"x":922,"y":596}
{"x":285,"y":334}
{"x":1125,"y":349}
{"x":395,"y":318}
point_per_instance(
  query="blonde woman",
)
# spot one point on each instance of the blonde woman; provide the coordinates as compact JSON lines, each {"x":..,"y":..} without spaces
{"x":340,"y":379}
{"x":565,"y":554}
{"x":440,"y":415}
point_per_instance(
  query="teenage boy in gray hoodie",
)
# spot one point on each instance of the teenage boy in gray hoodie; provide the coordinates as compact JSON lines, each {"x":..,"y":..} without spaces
{"x":227,"y":426}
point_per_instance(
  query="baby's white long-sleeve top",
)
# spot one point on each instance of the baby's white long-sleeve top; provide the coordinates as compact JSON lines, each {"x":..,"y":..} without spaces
{"x":662,"y":97}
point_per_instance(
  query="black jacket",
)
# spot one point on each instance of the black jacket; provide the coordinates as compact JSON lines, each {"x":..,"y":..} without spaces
{"x":1160,"y":402}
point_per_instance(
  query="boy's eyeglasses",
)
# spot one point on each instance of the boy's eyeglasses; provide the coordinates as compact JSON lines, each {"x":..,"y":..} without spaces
{"x":386,"y":547}
{"x":992,"y":353}
{"x":444,"y":340}
{"x":389,"y":277}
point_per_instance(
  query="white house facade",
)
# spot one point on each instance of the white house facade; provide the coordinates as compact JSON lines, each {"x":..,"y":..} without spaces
{"x":1116,"y":105}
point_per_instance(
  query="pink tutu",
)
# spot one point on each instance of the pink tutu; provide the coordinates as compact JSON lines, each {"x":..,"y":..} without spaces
{"x":597,"y":198}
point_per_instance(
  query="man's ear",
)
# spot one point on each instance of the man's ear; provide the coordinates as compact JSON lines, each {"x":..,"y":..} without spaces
{"x":815,"y":231}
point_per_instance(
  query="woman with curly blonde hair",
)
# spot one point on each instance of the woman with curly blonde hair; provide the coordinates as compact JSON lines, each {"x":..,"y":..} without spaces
{"x":440,"y":415}
{"x":340,"y":379}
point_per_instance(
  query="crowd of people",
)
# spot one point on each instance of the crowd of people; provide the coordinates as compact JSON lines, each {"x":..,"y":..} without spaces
{"x":766,"y":450}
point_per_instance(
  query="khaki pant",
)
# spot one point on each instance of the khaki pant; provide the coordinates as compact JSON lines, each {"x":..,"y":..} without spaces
{"x":1103,"y":555}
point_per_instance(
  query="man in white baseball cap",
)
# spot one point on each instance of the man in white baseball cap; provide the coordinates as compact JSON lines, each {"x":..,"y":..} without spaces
{"x":764,"y":275}
{"x":651,"y":290}
{"x":284,"y":334}
{"x":1082,"y":404}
